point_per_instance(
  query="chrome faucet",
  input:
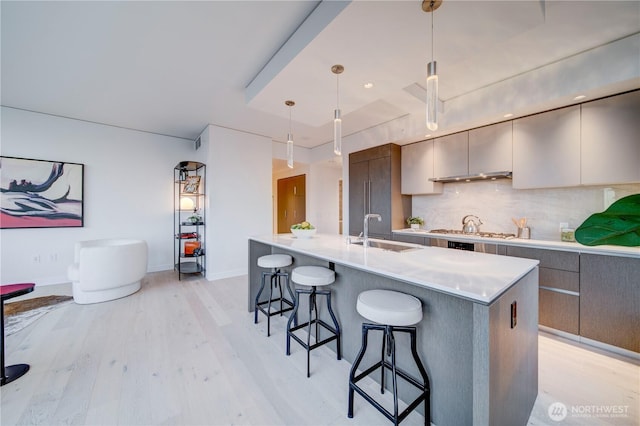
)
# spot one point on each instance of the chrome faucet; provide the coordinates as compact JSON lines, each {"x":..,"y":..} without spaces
{"x":365,"y":240}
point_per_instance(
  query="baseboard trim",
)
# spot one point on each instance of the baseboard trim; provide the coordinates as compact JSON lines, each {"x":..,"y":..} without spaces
{"x":594,"y":343}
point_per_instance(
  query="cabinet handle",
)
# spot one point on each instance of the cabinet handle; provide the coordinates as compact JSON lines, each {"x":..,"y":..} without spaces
{"x":285,"y":214}
{"x":364,"y":198}
{"x":295,"y":190}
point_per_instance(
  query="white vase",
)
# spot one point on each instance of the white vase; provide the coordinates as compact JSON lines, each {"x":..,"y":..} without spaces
{"x":415,"y":226}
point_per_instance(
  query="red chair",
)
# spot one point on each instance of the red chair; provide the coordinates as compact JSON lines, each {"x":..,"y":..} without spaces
{"x":12,"y":372}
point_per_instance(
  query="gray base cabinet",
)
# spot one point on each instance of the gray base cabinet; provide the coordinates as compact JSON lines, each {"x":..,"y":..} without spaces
{"x":559,"y":287}
{"x":559,"y":310}
{"x":609,"y":302}
{"x":591,"y":295}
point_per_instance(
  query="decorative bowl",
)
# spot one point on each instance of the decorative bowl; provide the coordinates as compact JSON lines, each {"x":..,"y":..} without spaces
{"x":303,"y":233}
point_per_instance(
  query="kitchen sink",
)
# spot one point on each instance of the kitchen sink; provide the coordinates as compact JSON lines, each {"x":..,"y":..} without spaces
{"x":388,"y":246}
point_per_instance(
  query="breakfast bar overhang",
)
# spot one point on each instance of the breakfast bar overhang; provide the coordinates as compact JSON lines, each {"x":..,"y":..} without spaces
{"x":479,"y":335}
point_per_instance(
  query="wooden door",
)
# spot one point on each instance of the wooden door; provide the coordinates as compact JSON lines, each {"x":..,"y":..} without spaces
{"x":291,"y":202}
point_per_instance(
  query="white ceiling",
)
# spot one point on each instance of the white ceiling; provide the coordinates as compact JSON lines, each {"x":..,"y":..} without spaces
{"x":174,"y":67}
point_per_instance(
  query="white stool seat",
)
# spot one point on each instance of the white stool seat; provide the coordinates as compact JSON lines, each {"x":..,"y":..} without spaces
{"x":274,"y":261}
{"x":313,"y":276}
{"x":389,"y":307}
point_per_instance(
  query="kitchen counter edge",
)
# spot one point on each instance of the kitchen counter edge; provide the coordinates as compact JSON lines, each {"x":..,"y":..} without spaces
{"x":542,"y":244}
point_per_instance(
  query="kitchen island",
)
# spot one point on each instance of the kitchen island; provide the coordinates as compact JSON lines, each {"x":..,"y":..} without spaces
{"x":480,"y":351}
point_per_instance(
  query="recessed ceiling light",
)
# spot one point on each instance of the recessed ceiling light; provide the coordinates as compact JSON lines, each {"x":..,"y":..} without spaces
{"x":368,"y":85}
{"x":577,"y":98}
{"x":508,"y":115}
{"x":426,"y":136}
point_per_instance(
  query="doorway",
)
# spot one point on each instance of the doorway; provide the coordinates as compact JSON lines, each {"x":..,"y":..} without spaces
{"x":292,"y":202}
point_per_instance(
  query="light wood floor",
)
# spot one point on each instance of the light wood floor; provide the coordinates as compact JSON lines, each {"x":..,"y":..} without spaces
{"x":188,"y":353}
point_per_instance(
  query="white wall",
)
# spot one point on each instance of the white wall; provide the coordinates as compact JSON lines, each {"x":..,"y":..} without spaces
{"x":128,"y":184}
{"x":323,"y":202}
{"x":239,"y":197}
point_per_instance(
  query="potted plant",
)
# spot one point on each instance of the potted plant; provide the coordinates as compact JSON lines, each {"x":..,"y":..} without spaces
{"x":195,"y":218}
{"x":415,"y":222}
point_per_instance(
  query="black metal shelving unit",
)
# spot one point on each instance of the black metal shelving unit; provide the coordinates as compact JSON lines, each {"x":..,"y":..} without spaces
{"x":189,"y":201}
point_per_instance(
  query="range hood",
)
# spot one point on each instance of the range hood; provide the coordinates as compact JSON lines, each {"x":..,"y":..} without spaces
{"x":476,"y":177}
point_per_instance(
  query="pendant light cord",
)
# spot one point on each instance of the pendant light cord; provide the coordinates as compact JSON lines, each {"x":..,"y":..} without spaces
{"x":337,"y":91}
{"x":432,"y":48}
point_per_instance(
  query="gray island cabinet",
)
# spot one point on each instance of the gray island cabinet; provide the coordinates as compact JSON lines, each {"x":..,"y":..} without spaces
{"x":479,"y":335}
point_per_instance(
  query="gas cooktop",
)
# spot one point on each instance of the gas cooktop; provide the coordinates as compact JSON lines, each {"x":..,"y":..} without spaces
{"x":475,"y":234}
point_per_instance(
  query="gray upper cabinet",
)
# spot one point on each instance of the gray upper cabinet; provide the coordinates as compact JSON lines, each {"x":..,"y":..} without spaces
{"x":546,"y":149}
{"x":483,"y":150}
{"x":417,"y":169}
{"x":451,"y":155}
{"x":490,"y":148}
{"x":611,"y":140}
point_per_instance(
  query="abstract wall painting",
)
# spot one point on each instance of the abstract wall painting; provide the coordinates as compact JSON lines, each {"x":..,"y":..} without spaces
{"x":41,"y":194}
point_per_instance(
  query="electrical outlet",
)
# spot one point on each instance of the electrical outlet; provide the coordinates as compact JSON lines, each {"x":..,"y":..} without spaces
{"x":562,"y":226}
{"x":36,"y":258}
{"x":53,"y":257}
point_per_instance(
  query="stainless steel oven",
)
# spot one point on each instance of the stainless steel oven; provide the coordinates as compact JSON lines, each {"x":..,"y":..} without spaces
{"x":462,"y":245}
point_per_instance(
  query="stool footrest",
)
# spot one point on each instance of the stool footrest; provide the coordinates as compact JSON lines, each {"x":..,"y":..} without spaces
{"x":275,"y":312}
{"x":334,"y":336}
{"x":384,"y":411}
{"x":313,"y":320}
{"x":415,"y":382}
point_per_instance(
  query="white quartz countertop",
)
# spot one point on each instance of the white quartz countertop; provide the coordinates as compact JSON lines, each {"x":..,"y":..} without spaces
{"x":543,"y":244}
{"x":476,"y":276}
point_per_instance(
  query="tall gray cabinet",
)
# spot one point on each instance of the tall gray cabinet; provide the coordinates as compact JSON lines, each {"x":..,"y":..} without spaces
{"x":375,"y":187}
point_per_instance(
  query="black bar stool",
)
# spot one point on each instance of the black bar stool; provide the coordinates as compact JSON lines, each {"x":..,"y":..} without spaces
{"x":392,"y":311}
{"x":313,"y":276}
{"x":274,"y":262}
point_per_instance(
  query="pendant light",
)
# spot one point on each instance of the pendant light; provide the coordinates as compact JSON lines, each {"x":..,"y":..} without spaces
{"x":432,"y":77}
{"x":337,"y":119}
{"x":289,"y":137}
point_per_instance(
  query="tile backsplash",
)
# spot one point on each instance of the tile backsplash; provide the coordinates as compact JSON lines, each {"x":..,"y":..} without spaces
{"x":496,"y":202}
